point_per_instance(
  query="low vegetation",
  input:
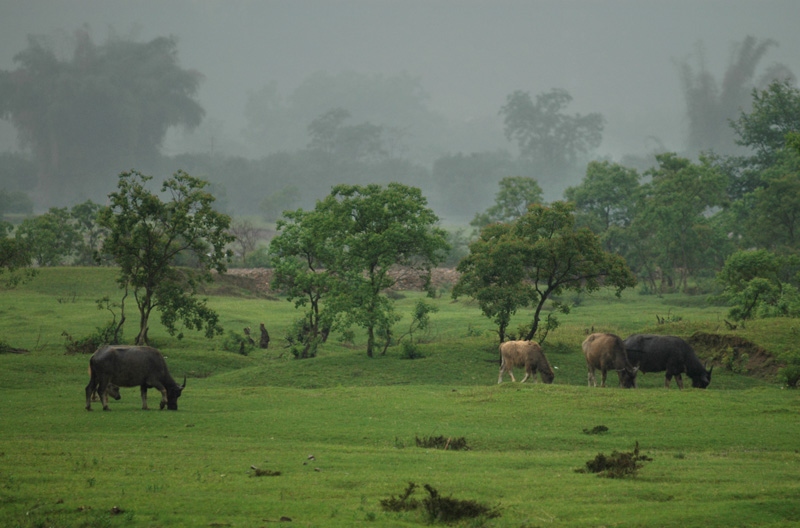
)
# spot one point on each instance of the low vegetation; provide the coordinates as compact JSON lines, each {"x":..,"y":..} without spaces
{"x":617,"y":464}
{"x":724,"y":456}
{"x":438,"y":508}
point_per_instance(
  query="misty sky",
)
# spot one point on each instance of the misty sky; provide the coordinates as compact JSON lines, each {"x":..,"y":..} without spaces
{"x":614,"y":57}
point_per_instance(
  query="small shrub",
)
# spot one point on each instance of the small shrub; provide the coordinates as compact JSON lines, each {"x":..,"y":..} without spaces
{"x":111,"y":334}
{"x":402,"y":503}
{"x":735,"y":361}
{"x":235,"y":342}
{"x":441,"y":442}
{"x":597,"y":429}
{"x":258,"y":472}
{"x":450,"y":510}
{"x":618,"y":465}
{"x":790,"y":375}
{"x":408,"y":350}
{"x":438,"y":508}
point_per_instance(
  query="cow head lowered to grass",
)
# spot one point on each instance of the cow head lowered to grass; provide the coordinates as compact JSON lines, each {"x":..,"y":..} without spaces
{"x":131,"y":366}
{"x":669,"y":354}
{"x":526,"y":354}
{"x":607,"y":352}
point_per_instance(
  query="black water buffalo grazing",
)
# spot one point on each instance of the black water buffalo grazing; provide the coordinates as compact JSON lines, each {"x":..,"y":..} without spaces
{"x":607,"y":352}
{"x":131,"y":366}
{"x":658,"y":353}
{"x":526,"y":354}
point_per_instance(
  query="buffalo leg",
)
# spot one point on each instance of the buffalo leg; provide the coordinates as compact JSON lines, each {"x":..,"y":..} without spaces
{"x":144,"y":397}
{"x":591,"y":380}
{"x":90,"y":388}
{"x":163,"y":398}
{"x":603,"y":374}
{"x":528,"y":374}
{"x":101,"y":391}
{"x":679,"y":381}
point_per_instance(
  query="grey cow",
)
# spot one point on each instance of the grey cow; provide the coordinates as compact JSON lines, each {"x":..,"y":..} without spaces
{"x":131,"y":366}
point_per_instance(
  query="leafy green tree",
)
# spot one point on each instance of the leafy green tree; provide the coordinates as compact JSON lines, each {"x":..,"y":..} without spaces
{"x":357,"y":234}
{"x":51,"y":238}
{"x":605,"y":198}
{"x":546,"y":135}
{"x":775,"y":113}
{"x":511,"y":201}
{"x":380,"y":228}
{"x":774,"y":219}
{"x":108,"y":106}
{"x":673,"y":215}
{"x":147,"y":235}
{"x":14,"y":255}
{"x":303,"y":257}
{"x":793,"y":141}
{"x":534,"y":259}
{"x":760,"y":283}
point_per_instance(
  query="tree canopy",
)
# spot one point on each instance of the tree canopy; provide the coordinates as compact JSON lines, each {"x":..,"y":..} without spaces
{"x":534,"y":259}
{"x":14,"y":255}
{"x":147,"y":237}
{"x":345,"y":249}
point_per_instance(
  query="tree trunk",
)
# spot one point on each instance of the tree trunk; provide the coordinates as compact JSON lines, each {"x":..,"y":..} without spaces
{"x":370,"y":340}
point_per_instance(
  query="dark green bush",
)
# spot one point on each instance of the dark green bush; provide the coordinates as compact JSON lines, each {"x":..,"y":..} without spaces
{"x":617,"y":465}
{"x":438,"y":508}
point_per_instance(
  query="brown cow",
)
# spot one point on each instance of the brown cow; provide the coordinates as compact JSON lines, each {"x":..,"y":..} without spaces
{"x":606,"y":352}
{"x":526,"y":354}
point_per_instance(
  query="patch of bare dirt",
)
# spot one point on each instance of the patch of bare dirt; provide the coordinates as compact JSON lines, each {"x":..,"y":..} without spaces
{"x":736,"y":353}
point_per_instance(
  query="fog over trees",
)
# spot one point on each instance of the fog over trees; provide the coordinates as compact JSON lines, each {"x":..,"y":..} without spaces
{"x":276,"y":102}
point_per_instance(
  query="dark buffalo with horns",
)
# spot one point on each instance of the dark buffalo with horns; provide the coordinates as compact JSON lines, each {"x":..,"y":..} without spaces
{"x":131,"y":366}
{"x":607,"y":352}
{"x":660,"y":353}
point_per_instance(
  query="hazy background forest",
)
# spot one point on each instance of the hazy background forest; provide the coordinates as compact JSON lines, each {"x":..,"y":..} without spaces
{"x":276,"y":101}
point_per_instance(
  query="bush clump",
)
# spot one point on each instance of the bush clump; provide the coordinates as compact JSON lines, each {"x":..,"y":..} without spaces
{"x":617,"y":465}
{"x":597,"y":429}
{"x":437,"y":507}
{"x":236,"y":342}
{"x":111,"y":334}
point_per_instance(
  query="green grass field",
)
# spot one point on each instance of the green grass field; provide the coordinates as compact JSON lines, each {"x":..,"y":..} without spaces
{"x":341,"y":428}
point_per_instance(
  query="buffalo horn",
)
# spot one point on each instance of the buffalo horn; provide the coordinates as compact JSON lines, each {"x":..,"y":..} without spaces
{"x":184,"y":382}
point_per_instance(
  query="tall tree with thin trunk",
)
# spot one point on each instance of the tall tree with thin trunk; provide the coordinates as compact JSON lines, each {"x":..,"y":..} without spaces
{"x":148,"y":238}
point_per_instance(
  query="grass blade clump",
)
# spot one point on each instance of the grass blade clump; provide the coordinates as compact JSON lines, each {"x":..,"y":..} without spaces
{"x":442,"y":442}
{"x":258,"y":472}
